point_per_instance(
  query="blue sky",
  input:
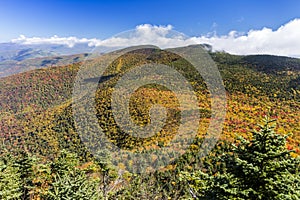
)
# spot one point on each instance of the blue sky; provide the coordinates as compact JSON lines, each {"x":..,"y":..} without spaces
{"x":102,"y":19}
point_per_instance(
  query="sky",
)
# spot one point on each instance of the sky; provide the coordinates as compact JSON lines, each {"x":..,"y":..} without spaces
{"x":240,"y":27}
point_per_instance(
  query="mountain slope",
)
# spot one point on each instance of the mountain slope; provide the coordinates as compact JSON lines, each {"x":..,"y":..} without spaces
{"x":36,"y":109}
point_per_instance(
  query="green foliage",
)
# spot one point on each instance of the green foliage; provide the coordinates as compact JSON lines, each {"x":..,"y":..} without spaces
{"x":272,"y":64}
{"x":73,"y":185}
{"x":10,"y":179}
{"x":25,"y":164}
{"x":65,"y":162}
{"x":142,"y":187}
{"x":70,"y":182}
{"x":26,"y":177}
{"x":167,"y":183}
{"x":259,"y":168}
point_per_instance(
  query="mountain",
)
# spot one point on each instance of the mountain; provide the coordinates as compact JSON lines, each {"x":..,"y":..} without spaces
{"x":50,"y":135}
{"x":14,"y":67}
{"x":16,"y":58}
{"x":19,"y":52}
{"x":36,"y":107}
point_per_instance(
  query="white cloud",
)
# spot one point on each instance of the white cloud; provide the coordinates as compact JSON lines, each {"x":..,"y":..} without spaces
{"x":283,"y":41}
{"x":68,"y":41}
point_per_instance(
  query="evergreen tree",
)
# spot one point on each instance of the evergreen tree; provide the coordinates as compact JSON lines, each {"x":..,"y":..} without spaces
{"x":10,"y":179}
{"x":259,"y":168}
{"x":70,"y":182}
{"x":25,"y":163}
{"x":73,"y":185}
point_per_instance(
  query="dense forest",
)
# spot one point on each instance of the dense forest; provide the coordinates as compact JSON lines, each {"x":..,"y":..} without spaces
{"x":256,"y":156}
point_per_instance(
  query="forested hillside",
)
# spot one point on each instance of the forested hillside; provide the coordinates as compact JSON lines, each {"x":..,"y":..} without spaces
{"x":42,"y":150}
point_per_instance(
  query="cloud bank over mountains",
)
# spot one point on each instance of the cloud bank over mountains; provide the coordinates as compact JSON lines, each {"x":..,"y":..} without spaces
{"x":284,"y":41}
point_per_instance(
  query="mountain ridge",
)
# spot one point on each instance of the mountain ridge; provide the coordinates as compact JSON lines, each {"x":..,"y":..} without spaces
{"x":37,"y":103}
{"x":16,"y":58}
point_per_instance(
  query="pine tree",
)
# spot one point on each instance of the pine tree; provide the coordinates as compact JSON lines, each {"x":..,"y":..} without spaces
{"x":259,"y":168}
{"x":25,"y":163}
{"x":73,"y":185}
{"x":10,"y":179}
{"x":70,"y":182}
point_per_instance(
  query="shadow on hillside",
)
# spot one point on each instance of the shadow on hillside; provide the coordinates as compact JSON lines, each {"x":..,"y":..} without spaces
{"x":99,"y":80}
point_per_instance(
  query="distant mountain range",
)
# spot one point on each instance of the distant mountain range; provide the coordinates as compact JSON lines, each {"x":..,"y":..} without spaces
{"x":16,"y":58}
{"x":19,"y":52}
